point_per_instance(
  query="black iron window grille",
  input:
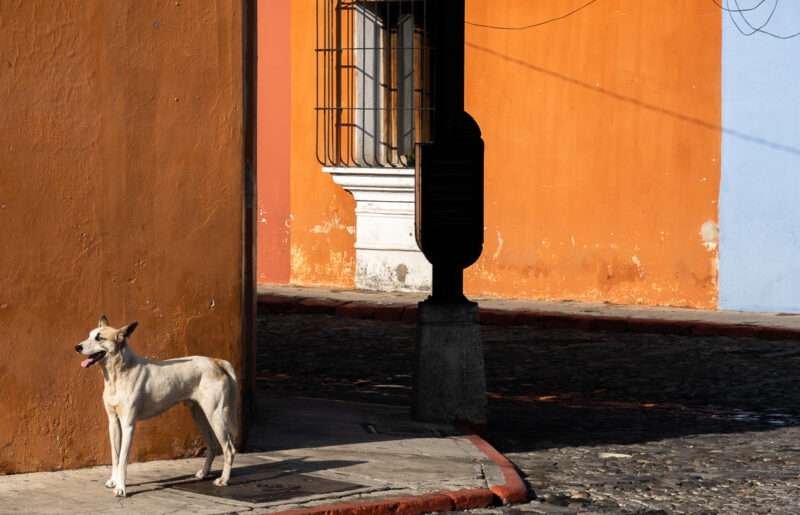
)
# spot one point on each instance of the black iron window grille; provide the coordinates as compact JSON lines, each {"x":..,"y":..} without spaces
{"x":375,"y":84}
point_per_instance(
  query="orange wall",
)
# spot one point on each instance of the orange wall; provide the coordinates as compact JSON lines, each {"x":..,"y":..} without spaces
{"x":602,"y":153}
{"x":323,"y":214}
{"x":602,"y":149}
{"x":121,"y":190}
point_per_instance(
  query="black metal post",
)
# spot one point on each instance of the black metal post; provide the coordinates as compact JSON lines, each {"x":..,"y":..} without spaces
{"x":449,"y":383}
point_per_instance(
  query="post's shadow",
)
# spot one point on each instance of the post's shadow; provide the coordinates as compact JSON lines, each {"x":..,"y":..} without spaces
{"x":562,"y":388}
{"x":552,"y":387}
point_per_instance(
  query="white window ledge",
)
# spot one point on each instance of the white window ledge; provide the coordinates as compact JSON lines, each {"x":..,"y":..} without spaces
{"x":387,"y":255}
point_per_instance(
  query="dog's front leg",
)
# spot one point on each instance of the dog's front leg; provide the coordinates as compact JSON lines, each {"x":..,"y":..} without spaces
{"x":127,"y":425}
{"x":114,"y":434}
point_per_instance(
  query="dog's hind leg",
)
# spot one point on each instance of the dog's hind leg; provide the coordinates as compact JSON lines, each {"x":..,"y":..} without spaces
{"x":208,"y":436}
{"x":216,"y":418}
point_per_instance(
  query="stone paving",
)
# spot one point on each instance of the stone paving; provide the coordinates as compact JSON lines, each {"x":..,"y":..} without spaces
{"x":597,"y":422}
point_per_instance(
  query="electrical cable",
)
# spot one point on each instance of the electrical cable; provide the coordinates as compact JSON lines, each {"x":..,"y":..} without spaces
{"x":755,"y":29}
{"x":739,"y":10}
{"x":760,"y":28}
{"x":584,"y":6}
{"x":725,"y":8}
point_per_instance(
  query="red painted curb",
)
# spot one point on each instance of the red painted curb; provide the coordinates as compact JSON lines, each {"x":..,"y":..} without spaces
{"x":415,"y":505}
{"x":534,"y":319}
{"x":471,"y":499}
{"x":409,"y":315}
{"x":514,"y":489}
{"x":405,"y":505}
{"x":637,"y":325}
{"x":355,"y":310}
{"x":749,"y":331}
{"x":389,"y":313}
{"x":317,"y":307}
{"x":778,"y":333}
{"x":497,"y":317}
{"x":275,"y":304}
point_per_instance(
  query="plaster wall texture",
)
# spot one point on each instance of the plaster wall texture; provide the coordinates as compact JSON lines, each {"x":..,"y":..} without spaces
{"x":759,"y":234}
{"x":602,"y":150}
{"x":121,"y":192}
{"x":602,"y":135}
{"x":323,"y":220}
{"x":274,"y":140}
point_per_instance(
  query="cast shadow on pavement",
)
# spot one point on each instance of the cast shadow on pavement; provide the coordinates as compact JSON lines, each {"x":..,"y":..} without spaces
{"x":585,"y":388}
{"x":552,"y":387}
{"x":271,"y":471}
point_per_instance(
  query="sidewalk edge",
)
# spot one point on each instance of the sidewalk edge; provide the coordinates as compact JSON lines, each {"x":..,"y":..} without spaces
{"x":538,"y":319}
{"x":512,"y":491}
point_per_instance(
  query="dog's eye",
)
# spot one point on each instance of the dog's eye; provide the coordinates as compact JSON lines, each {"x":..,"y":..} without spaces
{"x":97,"y":338}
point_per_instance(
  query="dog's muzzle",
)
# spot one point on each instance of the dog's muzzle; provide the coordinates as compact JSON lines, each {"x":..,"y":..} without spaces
{"x":91,"y":360}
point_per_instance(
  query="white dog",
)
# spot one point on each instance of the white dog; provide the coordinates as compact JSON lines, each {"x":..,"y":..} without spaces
{"x":137,"y":388}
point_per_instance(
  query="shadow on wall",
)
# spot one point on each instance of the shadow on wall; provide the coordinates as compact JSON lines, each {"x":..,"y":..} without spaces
{"x":639,"y":103}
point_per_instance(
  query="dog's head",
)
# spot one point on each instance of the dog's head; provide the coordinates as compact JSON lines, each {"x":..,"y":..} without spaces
{"x":104,"y":341}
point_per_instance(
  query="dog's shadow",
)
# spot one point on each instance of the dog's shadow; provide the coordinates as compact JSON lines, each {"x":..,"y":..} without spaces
{"x":242,"y":475}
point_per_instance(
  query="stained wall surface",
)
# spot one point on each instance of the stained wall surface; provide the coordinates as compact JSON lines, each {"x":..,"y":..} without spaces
{"x":602,"y":134}
{"x":602,"y":150}
{"x":121,"y":187}
{"x":323,"y":216}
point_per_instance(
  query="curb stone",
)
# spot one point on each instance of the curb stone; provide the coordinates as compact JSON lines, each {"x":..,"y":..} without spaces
{"x":535,"y":319}
{"x":511,"y":492}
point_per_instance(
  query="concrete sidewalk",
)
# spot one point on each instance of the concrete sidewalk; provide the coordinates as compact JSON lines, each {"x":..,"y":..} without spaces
{"x":274,"y":298}
{"x":306,"y":456}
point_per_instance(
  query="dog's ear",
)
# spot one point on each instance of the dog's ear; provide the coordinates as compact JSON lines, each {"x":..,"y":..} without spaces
{"x":125,"y":332}
{"x":128,"y":329}
{"x":103,"y":322}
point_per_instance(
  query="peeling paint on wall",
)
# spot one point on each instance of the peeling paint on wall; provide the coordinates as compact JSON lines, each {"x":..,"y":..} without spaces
{"x":333,"y":223}
{"x":596,"y":180}
{"x":583,"y":201}
{"x":336,"y":270}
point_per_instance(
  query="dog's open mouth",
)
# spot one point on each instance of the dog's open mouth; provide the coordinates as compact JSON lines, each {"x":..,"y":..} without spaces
{"x":94,"y":358}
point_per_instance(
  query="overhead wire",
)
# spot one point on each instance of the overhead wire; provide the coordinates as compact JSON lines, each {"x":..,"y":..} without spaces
{"x":754,"y":30}
{"x":538,"y":24}
{"x":739,"y":10}
{"x":726,"y":8}
{"x":760,"y":29}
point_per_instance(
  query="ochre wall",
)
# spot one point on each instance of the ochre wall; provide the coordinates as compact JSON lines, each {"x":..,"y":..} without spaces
{"x":602,"y":135}
{"x":306,"y":223}
{"x":121,"y":190}
{"x":323,"y":214}
{"x":602,"y":149}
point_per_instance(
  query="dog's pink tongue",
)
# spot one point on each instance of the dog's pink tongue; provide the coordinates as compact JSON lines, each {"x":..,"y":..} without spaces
{"x":85,"y":363}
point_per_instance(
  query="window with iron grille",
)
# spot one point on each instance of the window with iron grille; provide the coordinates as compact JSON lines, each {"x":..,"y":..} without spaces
{"x":374,"y":81}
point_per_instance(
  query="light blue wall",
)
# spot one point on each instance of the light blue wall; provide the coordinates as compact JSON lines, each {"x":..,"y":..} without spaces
{"x":759,"y":250}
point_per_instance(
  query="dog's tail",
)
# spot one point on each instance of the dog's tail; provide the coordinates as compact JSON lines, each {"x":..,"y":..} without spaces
{"x":232,"y":415}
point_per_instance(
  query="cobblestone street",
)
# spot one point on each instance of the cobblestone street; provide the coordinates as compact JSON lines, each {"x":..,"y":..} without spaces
{"x":597,"y":422}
